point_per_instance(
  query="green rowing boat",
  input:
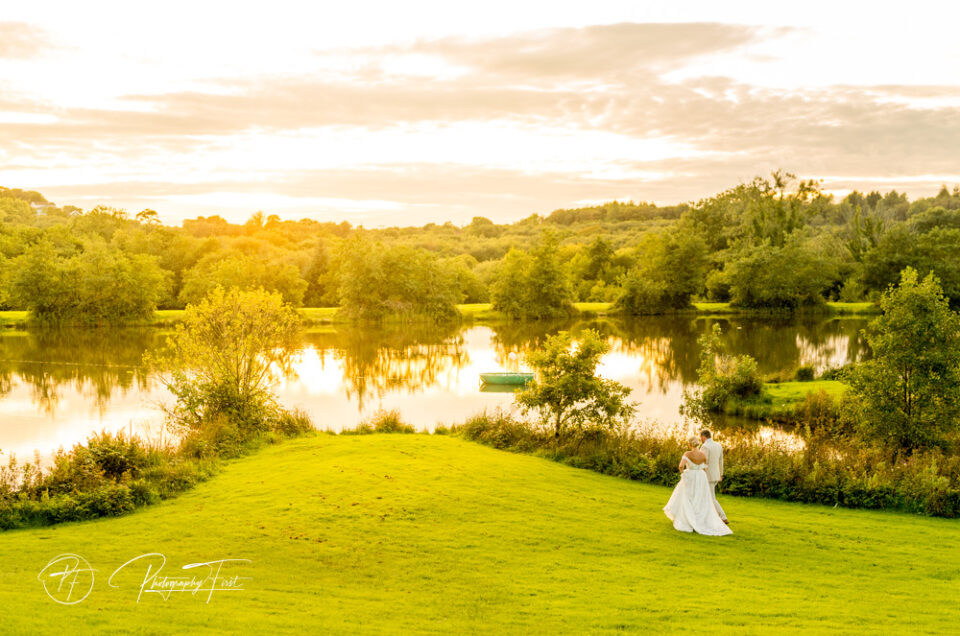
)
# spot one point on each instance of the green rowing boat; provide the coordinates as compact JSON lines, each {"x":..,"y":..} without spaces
{"x":506,"y":378}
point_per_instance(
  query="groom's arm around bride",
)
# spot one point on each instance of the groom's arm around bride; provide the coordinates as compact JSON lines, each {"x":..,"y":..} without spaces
{"x":714,"y":453}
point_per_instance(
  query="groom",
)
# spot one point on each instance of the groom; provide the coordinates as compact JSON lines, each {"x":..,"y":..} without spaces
{"x":714,"y":453}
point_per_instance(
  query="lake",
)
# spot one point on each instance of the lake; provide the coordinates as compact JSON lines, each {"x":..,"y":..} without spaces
{"x":56,"y":387}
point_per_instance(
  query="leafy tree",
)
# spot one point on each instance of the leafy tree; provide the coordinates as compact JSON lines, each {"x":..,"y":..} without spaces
{"x":596,"y":269}
{"x":788,"y":277}
{"x":13,"y":210}
{"x":321,"y":278}
{"x":471,"y":288}
{"x":378,"y":281}
{"x":762,"y":211}
{"x":508,"y":290}
{"x":567,"y":392}
{"x":243,"y":271}
{"x":937,"y":217}
{"x":533,"y":286}
{"x":671,"y":268}
{"x":148,"y":217}
{"x":864,"y":233}
{"x":100,"y":285}
{"x":909,"y":392}
{"x":482,"y":226}
{"x":937,"y":251}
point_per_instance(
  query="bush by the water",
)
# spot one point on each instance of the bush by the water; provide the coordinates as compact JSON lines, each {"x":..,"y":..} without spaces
{"x":821,"y":471}
{"x":720,"y":377}
{"x":382,"y":421}
{"x":113,"y":474}
{"x":110,"y":475}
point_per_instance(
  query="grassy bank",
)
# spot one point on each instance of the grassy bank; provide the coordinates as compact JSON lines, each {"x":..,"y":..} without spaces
{"x":847,"y":309}
{"x":476,"y":311}
{"x":417,"y":534}
{"x":780,"y":401}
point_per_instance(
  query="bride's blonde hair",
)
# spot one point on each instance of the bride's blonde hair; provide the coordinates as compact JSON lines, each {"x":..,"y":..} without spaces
{"x":693,"y":440}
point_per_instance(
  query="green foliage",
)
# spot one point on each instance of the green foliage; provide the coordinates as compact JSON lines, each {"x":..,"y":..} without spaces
{"x":615,"y":211}
{"x":111,"y":475}
{"x":762,"y":211}
{"x":909,"y":392}
{"x":770,"y":244}
{"x":378,"y":281}
{"x":242,"y":271}
{"x":791,"y":276}
{"x":719,"y":378}
{"x":670,"y":269}
{"x":99,"y":285}
{"x":533,"y":285}
{"x":385,"y":422}
{"x":851,"y":476}
{"x":566,"y":391}
{"x":937,"y":251}
{"x":223,"y":360}
{"x":321,"y":278}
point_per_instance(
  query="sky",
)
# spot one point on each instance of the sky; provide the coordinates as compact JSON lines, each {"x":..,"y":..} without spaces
{"x":404,"y":113}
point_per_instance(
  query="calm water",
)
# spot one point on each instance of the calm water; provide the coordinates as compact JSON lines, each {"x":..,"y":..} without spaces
{"x":58,"y":387}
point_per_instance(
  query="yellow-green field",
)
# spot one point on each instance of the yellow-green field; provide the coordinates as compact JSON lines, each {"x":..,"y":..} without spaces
{"x":431,"y":534}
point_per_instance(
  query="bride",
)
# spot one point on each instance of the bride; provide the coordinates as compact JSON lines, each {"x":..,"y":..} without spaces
{"x":691,"y":505}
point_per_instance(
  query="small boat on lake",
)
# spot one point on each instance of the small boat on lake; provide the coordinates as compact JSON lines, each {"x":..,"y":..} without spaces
{"x":506,"y":378}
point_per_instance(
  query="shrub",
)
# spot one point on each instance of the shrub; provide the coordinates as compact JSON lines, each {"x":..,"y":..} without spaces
{"x":805,"y":373}
{"x":292,"y":423}
{"x":386,"y":422}
{"x":720,"y":377}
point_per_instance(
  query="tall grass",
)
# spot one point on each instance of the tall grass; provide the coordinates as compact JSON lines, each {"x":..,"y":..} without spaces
{"x":763,"y":464}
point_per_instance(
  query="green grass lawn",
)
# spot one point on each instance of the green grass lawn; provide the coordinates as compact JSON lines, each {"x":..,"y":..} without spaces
{"x":432,"y":534}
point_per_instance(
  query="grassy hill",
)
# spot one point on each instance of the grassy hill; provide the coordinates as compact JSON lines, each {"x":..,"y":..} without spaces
{"x":418,"y":533}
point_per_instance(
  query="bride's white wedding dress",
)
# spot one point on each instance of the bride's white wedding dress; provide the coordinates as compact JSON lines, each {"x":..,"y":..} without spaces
{"x":691,"y":505}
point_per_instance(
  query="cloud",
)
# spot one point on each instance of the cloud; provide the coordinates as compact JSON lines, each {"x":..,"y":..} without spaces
{"x":21,"y":41}
{"x":590,"y":101}
{"x":592,"y":54}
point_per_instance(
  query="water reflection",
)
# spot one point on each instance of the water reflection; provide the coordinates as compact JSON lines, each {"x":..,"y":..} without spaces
{"x":56,"y":387}
{"x":93,"y":363}
{"x":390,"y":357}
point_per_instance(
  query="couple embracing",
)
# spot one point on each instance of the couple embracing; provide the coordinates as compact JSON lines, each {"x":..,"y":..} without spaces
{"x":693,"y":506}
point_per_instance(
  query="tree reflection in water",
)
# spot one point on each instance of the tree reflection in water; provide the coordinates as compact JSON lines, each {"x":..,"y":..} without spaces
{"x":95,"y":362}
{"x":656,"y":356}
{"x":381,"y":358}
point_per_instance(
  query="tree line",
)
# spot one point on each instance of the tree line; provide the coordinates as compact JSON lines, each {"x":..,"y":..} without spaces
{"x":776,"y":243}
